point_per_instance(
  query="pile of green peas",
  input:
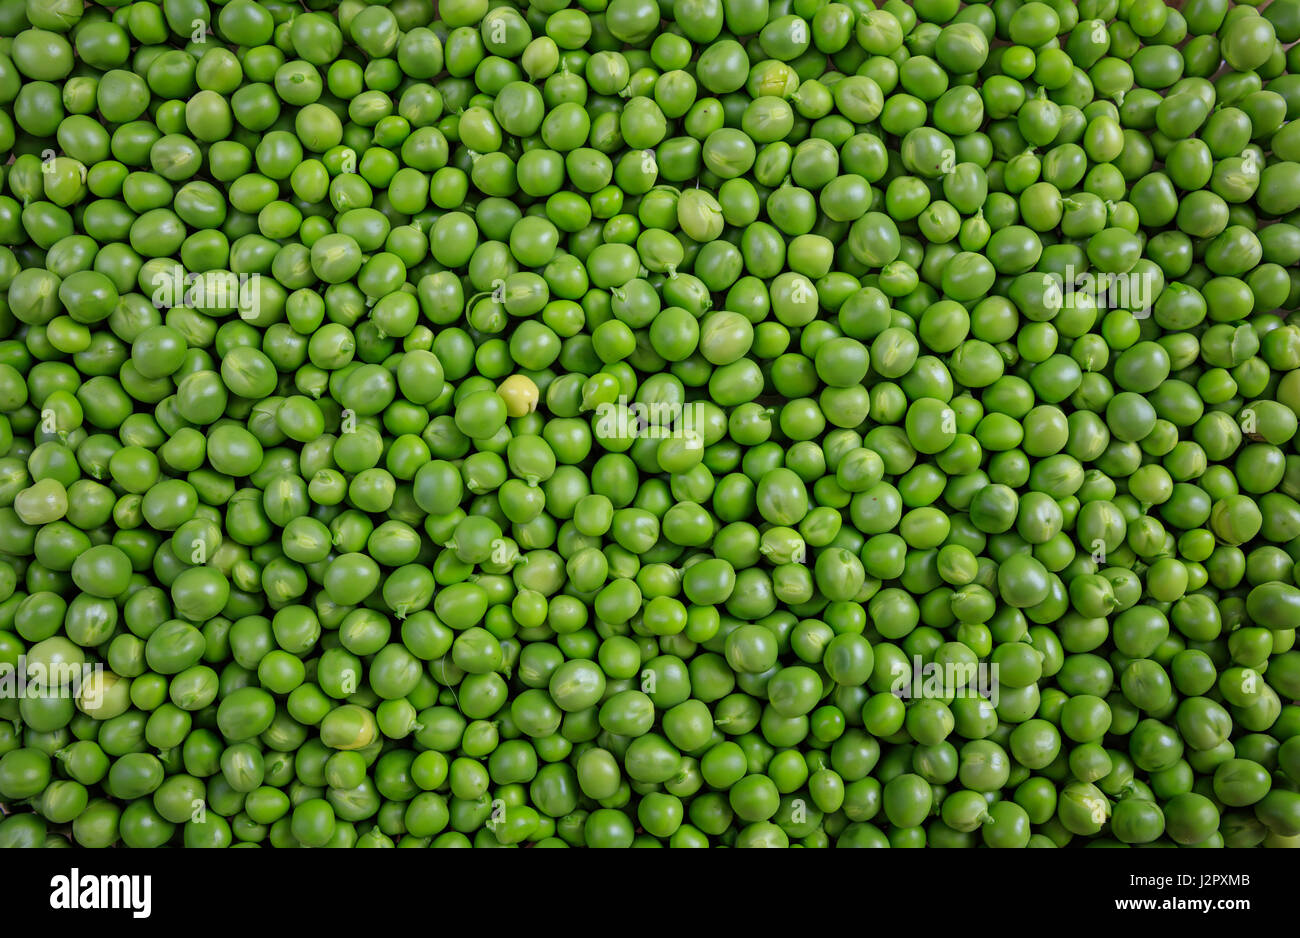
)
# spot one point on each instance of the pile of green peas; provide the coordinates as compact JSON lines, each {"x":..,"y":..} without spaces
{"x":689,"y":423}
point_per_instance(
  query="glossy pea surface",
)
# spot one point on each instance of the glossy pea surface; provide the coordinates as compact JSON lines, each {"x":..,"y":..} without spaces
{"x":693,"y":423}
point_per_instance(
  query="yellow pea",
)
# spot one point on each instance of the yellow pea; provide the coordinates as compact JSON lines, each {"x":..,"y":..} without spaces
{"x":520,"y":394}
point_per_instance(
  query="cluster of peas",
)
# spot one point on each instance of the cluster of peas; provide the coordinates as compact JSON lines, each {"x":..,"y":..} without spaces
{"x":578,"y":423}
